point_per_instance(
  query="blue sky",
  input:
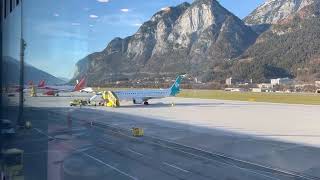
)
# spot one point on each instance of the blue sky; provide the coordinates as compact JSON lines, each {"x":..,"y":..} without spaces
{"x":60,"y":32}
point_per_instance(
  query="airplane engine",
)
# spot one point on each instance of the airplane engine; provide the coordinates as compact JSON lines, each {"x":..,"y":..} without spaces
{"x":137,"y":101}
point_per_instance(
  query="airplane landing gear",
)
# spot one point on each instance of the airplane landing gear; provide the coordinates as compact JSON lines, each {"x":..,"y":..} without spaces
{"x":146,"y":103}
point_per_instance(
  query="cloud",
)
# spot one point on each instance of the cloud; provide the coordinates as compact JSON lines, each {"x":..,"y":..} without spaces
{"x":124,"y":10}
{"x":75,"y":24}
{"x":103,"y":1}
{"x":137,"y":24}
{"x":93,"y":16}
{"x":165,"y":9}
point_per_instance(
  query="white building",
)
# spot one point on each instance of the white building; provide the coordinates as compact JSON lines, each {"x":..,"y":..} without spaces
{"x":281,"y":81}
{"x":317,"y":83}
{"x":256,"y":90}
{"x":260,"y":90}
{"x":234,"y":89}
{"x":229,"y":81}
{"x":265,"y":86}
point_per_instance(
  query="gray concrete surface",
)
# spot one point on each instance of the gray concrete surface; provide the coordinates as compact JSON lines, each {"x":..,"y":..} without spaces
{"x":54,"y":151}
{"x":277,"y":135}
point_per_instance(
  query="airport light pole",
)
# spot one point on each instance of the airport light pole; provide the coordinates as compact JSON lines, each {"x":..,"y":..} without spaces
{"x":1,"y":80}
{"x":21,"y":121}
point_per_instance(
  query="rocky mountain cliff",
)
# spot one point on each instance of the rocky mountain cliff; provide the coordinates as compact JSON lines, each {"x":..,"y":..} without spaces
{"x":189,"y":38}
{"x":273,"y":11}
{"x":207,"y":41}
{"x":289,"y":48}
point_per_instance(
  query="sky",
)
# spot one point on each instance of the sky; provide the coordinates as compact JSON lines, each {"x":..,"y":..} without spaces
{"x":59,"y":33}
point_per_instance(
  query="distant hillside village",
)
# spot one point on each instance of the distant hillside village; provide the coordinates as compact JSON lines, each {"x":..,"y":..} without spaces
{"x":276,"y":85}
{"x":230,"y":84}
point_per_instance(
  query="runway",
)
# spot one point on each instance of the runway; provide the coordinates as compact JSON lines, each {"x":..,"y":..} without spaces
{"x":194,"y":139}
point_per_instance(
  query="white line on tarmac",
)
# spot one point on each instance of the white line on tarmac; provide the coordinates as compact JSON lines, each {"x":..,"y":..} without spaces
{"x":176,"y":167}
{"x":84,"y":149}
{"x":41,"y":132}
{"x":252,"y":171}
{"x":135,"y":152}
{"x":107,"y":141}
{"x":108,"y":165}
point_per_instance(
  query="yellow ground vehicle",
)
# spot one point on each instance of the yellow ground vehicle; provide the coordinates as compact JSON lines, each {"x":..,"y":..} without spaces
{"x":13,"y":164}
{"x":78,"y":102}
{"x":33,"y":92}
{"x":137,"y":132}
{"x":111,"y":99}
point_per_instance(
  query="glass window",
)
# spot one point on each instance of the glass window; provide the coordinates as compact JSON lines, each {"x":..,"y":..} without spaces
{"x":219,"y":89}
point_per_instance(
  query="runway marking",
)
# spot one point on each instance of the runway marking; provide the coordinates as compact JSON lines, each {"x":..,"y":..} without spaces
{"x":176,"y":167}
{"x":232,"y":165}
{"x":41,"y":132}
{"x":135,"y":152}
{"x":84,"y":149}
{"x":289,"y":148}
{"x":108,"y":165}
{"x":107,"y":141}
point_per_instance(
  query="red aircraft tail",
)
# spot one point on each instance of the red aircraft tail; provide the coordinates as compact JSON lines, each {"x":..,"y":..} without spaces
{"x":30,"y":83}
{"x":80,"y":85}
{"x":41,"y":83}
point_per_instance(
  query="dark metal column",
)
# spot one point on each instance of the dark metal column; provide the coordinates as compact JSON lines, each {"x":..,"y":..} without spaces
{"x":1,"y":77}
{"x":21,"y":121}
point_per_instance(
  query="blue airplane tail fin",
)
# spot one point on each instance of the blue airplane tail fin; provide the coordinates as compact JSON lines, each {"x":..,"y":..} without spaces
{"x":175,"y":88}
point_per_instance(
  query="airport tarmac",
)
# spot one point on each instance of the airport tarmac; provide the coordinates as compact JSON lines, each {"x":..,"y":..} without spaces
{"x":285,"y":122}
{"x":274,"y":135}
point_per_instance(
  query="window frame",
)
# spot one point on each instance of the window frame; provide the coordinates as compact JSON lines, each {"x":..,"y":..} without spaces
{"x":11,"y":6}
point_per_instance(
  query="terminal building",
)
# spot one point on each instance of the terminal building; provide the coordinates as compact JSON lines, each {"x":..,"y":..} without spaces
{"x":281,"y":81}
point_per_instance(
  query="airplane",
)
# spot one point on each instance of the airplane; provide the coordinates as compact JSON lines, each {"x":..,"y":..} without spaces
{"x":41,"y":84}
{"x":142,"y":96}
{"x":28,"y":87}
{"x":55,"y":90}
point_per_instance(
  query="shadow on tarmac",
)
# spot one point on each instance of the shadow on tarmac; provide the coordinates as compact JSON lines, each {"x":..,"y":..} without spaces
{"x":186,"y":104}
{"x":216,"y":141}
{"x":161,"y":105}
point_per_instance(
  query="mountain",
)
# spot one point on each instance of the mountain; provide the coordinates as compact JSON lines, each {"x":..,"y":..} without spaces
{"x":289,"y":48}
{"x":193,"y":38}
{"x":11,"y":69}
{"x":64,"y":79}
{"x":274,"y":10}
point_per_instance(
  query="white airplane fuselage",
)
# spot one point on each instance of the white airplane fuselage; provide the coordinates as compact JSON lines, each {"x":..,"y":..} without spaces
{"x":140,"y":96}
{"x":143,"y":95}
